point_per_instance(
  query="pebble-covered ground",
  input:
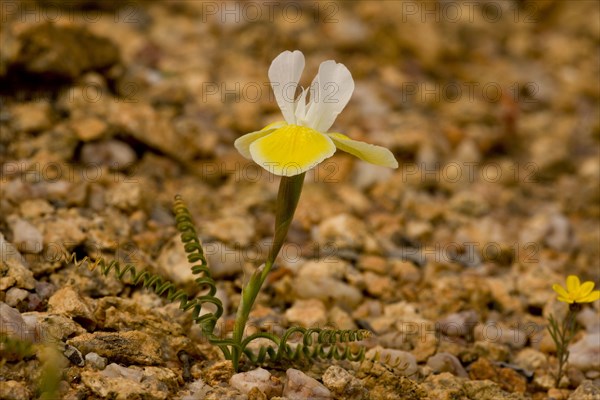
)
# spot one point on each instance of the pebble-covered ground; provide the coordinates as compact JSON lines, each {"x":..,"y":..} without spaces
{"x":110,"y":109}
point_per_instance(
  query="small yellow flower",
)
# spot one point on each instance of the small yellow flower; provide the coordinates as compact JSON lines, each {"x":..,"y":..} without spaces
{"x":299,"y":143}
{"x":576,"y":292}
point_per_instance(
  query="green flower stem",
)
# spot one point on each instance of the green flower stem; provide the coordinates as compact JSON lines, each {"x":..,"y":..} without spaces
{"x":568,"y":331}
{"x":562,"y":335}
{"x":287,"y":201}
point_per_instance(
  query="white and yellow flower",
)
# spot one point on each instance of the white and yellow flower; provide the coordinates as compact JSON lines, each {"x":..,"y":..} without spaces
{"x":299,"y":143}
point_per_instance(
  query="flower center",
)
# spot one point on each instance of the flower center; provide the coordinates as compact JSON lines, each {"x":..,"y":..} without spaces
{"x":299,"y":130}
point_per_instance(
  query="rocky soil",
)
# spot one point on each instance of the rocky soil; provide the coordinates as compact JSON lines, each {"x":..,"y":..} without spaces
{"x":109,"y":109}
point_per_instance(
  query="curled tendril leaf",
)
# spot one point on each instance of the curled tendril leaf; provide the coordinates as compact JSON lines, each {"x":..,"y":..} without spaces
{"x":329,"y":344}
{"x":315,"y":344}
{"x":162,"y":287}
{"x":389,"y":361}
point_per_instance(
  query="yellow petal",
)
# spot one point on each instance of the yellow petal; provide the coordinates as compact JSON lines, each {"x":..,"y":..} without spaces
{"x":565,"y":299}
{"x":242,"y":144}
{"x":595,"y":295}
{"x":573,"y":284}
{"x":560,"y":290}
{"x":368,"y":152}
{"x":586,"y":288}
{"x":291,"y":150}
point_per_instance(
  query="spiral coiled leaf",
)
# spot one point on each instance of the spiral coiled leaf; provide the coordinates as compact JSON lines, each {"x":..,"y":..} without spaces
{"x":329,"y":344}
{"x":162,"y":287}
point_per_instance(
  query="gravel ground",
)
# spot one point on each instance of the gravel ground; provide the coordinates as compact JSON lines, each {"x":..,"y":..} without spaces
{"x":491,"y":108}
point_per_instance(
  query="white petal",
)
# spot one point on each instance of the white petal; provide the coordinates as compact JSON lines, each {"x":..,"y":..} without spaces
{"x":329,"y":93}
{"x":301,"y":107}
{"x":284,"y":74}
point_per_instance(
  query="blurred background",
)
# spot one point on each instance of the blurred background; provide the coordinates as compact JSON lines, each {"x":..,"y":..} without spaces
{"x":491,"y":107}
